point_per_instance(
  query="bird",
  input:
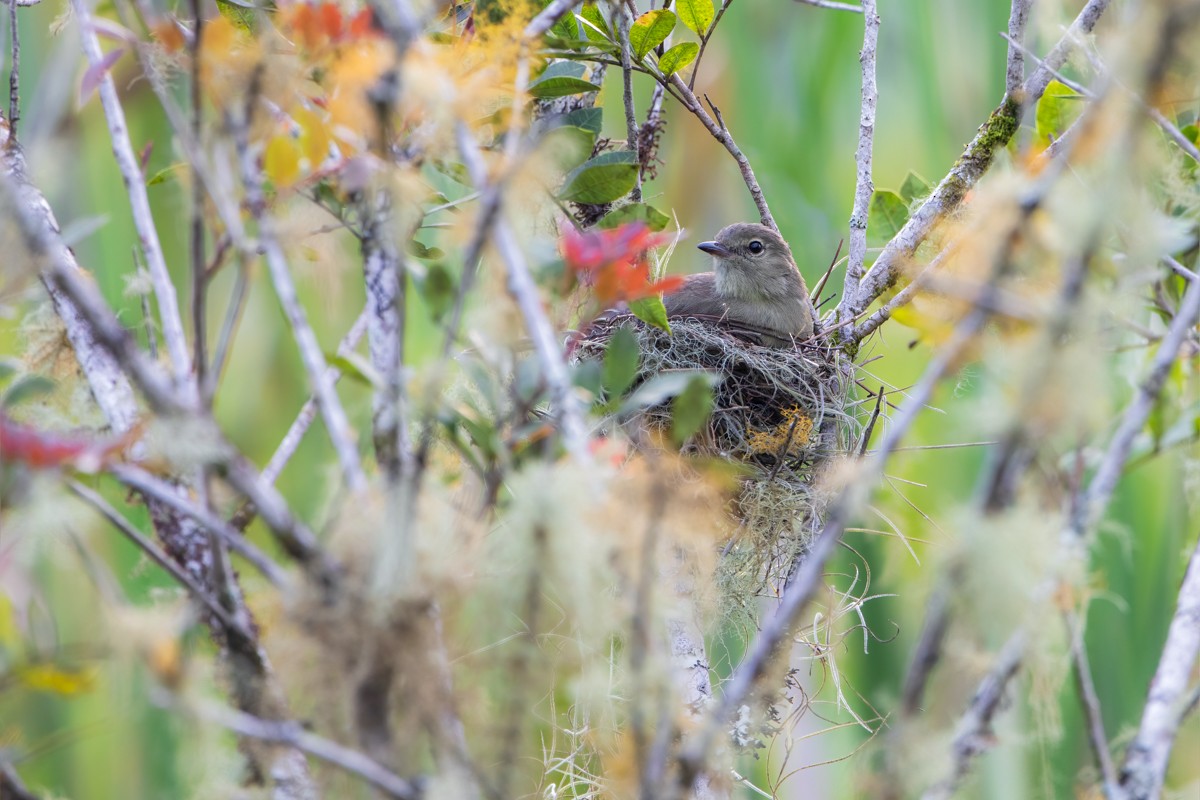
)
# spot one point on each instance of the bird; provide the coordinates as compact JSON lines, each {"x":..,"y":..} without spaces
{"x":754,"y":282}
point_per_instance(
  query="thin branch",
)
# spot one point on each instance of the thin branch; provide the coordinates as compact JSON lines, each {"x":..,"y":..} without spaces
{"x":337,"y":425}
{"x":1145,"y":765}
{"x":198,"y":592}
{"x":864,"y":186}
{"x":168,"y":494}
{"x":624,"y":22}
{"x":722,"y":135}
{"x":1087,"y":511}
{"x":206,"y":386}
{"x":14,"y":75}
{"x":975,"y":160}
{"x":1091,"y":706}
{"x":973,"y":736}
{"x":294,"y":735}
{"x":705,"y":37}
{"x":1014,"y":75}
{"x":524,"y":291}
{"x":832,"y":5}
{"x":135,"y":187}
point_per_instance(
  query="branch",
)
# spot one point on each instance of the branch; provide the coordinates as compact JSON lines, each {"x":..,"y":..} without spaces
{"x":548,"y":17}
{"x":1145,"y":765}
{"x":293,"y":735}
{"x":992,"y":136}
{"x":524,"y":291}
{"x":624,"y":22}
{"x":973,"y":736}
{"x":722,"y":135}
{"x":864,"y":186}
{"x":832,"y":5}
{"x":198,"y":592}
{"x":1088,"y":510}
{"x":341,"y":434}
{"x":1014,"y":75}
{"x":1091,"y":706}
{"x":135,"y":186}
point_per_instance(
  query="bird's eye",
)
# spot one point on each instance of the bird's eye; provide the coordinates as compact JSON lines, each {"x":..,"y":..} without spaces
{"x":756,"y":247}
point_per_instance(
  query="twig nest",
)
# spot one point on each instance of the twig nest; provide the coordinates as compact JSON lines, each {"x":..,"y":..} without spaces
{"x":780,"y":409}
{"x":782,"y":412}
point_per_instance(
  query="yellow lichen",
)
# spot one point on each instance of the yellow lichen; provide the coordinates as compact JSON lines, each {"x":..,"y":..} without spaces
{"x":790,"y":434}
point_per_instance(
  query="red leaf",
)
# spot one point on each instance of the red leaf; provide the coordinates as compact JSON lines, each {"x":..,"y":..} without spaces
{"x":96,"y":72}
{"x":613,"y":262}
{"x":44,"y":450}
{"x":331,"y":20}
{"x":362,"y":24}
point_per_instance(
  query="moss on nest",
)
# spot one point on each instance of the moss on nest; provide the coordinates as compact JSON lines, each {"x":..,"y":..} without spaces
{"x":782,"y":412}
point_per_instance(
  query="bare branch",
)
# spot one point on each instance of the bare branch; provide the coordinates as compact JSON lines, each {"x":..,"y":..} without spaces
{"x":1091,"y":706}
{"x":1087,"y":511}
{"x":294,"y":735}
{"x":1014,"y":75}
{"x":1145,"y":765}
{"x":832,"y":5}
{"x":143,"y":218}
{"x":864,"y":186}
{"x":974,"y":729}
{"x":624,"y":22}
{"x":993,"y":135}
{"x":14,"y":75}
{"x":524,"y":291}
{"x":198,"y":592}
{"x":341,"y":434}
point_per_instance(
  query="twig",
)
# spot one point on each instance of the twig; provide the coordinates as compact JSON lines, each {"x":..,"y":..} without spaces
{"x":864,"y":186}
{"x":308,"y":412}
{"x":705,"y":36}
{"x":168,"y":494}
{"x":198,"y":592}
{"x":1091,"y":705}
{"x":336,"y":423}
{"x":973,"y":736}
{"x":832,"y":5}
{"x":1088,"y":510}
{"x":11,"y":785}
{"x":524,"y":291}
{"x":143,"y":218}
{"x":206,"y":386}
{"x":1014,"y":74}
{"x":722,"y":135}
{"x":971,"y":165}
{"x":14,"y":75}
{"x":624,"y":21}
{"x":1145,"y":765}
{"x":293,"y":735}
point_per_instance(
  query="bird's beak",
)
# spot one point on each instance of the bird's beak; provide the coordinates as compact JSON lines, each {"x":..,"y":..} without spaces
{"x":715,"y":248}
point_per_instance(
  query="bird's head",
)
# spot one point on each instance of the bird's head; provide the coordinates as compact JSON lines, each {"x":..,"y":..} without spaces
{"x":751,"y":260}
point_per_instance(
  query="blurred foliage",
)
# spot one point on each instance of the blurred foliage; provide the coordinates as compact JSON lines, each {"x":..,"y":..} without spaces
{"x":786,"y":78}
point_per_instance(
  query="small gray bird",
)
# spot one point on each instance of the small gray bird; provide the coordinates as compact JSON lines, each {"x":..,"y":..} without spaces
{"x":754,"y":282}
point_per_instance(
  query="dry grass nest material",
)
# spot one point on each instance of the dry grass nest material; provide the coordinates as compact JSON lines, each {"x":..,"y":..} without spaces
{"x":782,"y":410}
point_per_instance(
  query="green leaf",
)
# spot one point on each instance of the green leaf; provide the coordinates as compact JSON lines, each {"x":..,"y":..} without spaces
{"x":9,"y":367}
{"x":620,"y":362}
{"x":649,"y":31}
{"x":602,"y":179}
{"x":418,"y":250}
{"x":678,"y":57}
{"x":594,"y":26}
{"x":663,"y":386}
{"x":355,"y":367}
{"x":569,"y":146}
{"x":241,"y":14}
{"x":561,"y":86}
{"x":651,"y":311}
{"x":27,"y":387}
{"x":163,"y":175}
{"x":590,"y":119}
{"x":454,"y":170}
{"x":1056,"y":110}
{"x":691,"y":409}
{"x":635,"y":212}
{"x":914,"y":187}
{"x":566,"y":28}
{"x":886,"y":216}
{"x":696,"y":14}
{"x":438,"y":289}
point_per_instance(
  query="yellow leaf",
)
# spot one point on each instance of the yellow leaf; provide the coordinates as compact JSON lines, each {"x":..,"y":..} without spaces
{"x":314,"y":136}
{"x":57,"y":680}
{"x":281,"y":161}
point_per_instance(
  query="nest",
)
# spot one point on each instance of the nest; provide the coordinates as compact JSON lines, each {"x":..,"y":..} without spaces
{"x":782,"y":412}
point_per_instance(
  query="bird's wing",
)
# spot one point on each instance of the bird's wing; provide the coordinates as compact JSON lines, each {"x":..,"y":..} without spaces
{"x":697,"y":297}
